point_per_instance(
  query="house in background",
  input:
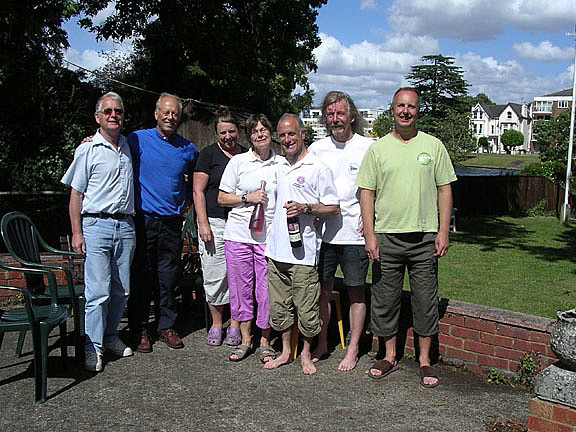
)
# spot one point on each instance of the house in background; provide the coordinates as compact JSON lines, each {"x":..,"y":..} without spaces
{"x":312,"y":118}
{"x":552,"y":105}
{"x":491,"y":121}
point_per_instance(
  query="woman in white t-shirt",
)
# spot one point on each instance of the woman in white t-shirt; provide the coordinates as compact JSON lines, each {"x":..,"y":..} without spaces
{"x":249,"y":181}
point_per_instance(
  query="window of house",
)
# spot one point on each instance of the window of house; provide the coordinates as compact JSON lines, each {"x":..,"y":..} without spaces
{"x":563,"y":104}
{"x":492,"y":129}
{"x":480,"y":128}
{"x":509,"y":115}
{"x":543,"y":106}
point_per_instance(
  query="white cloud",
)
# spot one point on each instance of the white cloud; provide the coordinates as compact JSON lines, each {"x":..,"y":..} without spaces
{"x":367,"y":4}
{"x":505,"y":81}
{"x":88,"y":59}
{"x":479,"y":19}
{"x":105,"y":13}
{"x":369,"y":72}
{"x":543,"y":52}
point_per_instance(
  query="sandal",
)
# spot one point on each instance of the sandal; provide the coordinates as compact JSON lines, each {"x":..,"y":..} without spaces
{"x":241,"y":351}
{"x":214,"y":337}
{"x":384,"y":366}
{"x":233,"y":336}
{"x":267,"y":353}
{"x":427,"y":372}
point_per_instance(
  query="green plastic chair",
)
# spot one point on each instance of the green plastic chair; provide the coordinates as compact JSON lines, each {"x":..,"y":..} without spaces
{"x":24,"y":243}
{"x":40,"y":320}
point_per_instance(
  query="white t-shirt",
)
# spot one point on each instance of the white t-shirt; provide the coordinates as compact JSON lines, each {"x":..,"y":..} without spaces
{"x":307,"y":181}
{"x":244,"y":174}
{"x":344,"y":160}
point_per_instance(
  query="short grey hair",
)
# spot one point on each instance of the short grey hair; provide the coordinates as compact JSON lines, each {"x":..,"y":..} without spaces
{"x":168,"y":95}
{"x":109,"y":95}
{"x":290,"y":115}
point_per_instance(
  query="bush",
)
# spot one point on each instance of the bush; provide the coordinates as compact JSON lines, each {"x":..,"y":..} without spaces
{"x":552,"y":170}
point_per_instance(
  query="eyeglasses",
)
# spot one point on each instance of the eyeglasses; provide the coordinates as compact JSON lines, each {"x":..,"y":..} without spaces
{"x":263,"y":131}
{"x":108,"y":111}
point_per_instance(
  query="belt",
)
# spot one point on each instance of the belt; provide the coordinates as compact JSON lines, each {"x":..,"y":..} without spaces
{"x":102,"y":215}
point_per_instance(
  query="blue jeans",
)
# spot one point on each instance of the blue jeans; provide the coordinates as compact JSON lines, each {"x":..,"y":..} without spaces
{"x":110,"y":247}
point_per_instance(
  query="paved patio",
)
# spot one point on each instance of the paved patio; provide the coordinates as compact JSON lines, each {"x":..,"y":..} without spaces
{"x":197,"y":388}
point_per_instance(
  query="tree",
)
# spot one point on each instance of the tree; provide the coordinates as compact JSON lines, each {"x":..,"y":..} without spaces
{"x":483,"y":142}
{"x":552,"y":138}
{"x":43,"y":106}
{"x":454,"y":131}
{"x":383,"y":124}
{"x":245,"y":53}
{"x":512,"y":138}
{"x":441,"y":85}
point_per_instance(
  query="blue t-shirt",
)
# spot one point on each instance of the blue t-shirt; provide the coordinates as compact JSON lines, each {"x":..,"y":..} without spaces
{"x":160,"y":167}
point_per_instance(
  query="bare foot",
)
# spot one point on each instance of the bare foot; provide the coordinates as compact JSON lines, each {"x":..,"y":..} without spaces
{"x":308,"y":366}
{"x":278,"y":361}
{"x":348,"y":363}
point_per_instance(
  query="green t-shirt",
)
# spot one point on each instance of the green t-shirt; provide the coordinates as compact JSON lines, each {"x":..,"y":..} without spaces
{"x":405,"y":179}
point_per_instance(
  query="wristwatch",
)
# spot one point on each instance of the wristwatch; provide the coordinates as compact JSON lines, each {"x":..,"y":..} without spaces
{"x":244,"y":199}
{"x":308,"y":209}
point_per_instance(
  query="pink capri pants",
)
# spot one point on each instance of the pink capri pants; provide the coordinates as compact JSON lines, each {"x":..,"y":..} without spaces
{"x":248,"y":280}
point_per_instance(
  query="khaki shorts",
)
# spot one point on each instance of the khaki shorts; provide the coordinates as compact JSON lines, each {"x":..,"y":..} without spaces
{"x":294,"y":289}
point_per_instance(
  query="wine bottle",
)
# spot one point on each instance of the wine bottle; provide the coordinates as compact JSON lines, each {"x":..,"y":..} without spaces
{"x":294,"y":231}
{"x":257,"y":218}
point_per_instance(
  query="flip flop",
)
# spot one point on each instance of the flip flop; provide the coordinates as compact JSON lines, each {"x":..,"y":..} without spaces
{"x":233,"y":336}
{"x":266,"y":352}
{"x":241,"y":351}
{"x":214,"y":337}
{"x":427,"y":372}
{"x":383,"y":366}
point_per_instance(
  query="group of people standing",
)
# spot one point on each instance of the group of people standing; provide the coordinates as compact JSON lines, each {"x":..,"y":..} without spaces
{"x":272,"y":229}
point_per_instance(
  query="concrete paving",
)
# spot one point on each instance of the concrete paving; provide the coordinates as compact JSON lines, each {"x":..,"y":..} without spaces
{"x":197,"y":388}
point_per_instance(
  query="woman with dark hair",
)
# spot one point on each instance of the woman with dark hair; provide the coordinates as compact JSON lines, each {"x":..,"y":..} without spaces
{"x":248,"y":184}
{"x":211,"y":217}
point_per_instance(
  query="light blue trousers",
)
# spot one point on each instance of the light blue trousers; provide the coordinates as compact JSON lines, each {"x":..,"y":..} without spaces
{"x":110,"y":247}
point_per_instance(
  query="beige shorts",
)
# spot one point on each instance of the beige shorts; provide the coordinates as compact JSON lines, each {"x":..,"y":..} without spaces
{"x":294,"y":289}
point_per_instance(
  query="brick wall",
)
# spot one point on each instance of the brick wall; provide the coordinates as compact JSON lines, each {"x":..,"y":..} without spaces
{"x":480,"y":338}
{"x":16,"y":279}
{"x":550,"y":417}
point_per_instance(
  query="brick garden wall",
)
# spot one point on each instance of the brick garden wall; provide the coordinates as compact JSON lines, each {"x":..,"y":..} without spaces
{"x":550,"y":417}
{"x":480,"y":338}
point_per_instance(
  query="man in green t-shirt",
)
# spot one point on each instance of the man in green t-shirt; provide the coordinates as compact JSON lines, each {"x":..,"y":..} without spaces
{"x":405,"y":184}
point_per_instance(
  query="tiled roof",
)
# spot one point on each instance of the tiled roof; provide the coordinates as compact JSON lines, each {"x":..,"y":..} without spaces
{"x":567,"y":92}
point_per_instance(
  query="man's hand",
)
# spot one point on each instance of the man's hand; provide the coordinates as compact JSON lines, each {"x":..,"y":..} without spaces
{"x":205,"y":232}
{"x":372,"y":248}
{"x":442,"y":244}
{"x":294,"y":209}
{"x":78,"y":244}
{"x":87,"y":139}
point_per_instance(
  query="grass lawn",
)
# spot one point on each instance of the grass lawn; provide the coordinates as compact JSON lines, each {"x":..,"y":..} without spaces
{"x":522,"y":264}
{"x":490,"y":160}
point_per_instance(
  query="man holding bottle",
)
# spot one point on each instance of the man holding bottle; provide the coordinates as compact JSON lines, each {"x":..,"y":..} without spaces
{"x":306,"y":190}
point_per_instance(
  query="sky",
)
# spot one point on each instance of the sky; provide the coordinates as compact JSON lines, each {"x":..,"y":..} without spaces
{"x":511,"y":50}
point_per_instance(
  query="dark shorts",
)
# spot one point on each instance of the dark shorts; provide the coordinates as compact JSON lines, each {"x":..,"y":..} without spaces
{"x":352,"y":259}
{"x":398,"y":252}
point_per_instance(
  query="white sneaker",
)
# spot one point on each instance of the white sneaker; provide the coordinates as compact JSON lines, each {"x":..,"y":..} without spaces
{"x":93,"y":361}
{"x":118,"y":348}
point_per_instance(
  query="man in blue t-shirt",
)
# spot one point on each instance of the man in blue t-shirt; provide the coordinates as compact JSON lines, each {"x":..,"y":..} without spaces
{"x":162,"y":160}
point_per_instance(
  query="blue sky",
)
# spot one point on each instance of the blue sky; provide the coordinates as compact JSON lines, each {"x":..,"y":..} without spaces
{"x":512,"y":50}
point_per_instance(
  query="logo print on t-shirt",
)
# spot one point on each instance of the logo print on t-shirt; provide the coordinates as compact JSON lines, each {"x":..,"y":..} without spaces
{"x":353,"y":168}
{"x":301,"y":180}
{"x":424,"y":158}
